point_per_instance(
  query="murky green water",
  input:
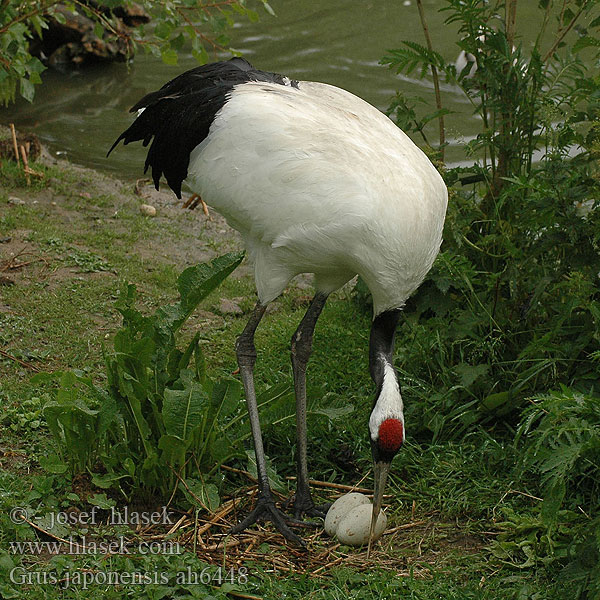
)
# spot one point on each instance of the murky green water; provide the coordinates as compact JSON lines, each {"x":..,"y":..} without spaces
{"x":338,"y":42}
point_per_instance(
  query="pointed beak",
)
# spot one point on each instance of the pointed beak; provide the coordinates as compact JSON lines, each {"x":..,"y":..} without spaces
{"x":381,"y":470}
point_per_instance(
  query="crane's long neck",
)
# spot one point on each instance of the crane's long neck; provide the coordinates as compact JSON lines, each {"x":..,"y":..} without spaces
{"x":388,"y":410}
{"x":381,"y":346}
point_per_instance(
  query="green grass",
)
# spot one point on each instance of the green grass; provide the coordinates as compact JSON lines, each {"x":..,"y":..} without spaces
{"x":58,"y":314}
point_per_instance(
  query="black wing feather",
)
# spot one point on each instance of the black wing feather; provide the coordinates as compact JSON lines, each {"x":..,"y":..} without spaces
{"x":179,"y":115}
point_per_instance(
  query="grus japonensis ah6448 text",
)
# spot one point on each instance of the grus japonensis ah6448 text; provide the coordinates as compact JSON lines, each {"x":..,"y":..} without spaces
{"x":316,"y":181}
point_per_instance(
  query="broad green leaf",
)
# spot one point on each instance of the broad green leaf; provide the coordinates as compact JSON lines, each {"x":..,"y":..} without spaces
{"x":268,"y":8}
{"x":173,"y":449}
{"x":6,"y":562}
{"x":169,"y":56}
{"x":43,"y":378}
{"x":470,"y":373}
{"x":101,"y":501}
{"x":53,"y":464}
{"x":99,"y":30}
{"x":585,"y":41}
{"x":494,"y":401}
{"x":184,"y":409}
{"x":553,"y":498}
{"x":184,"y":361}
{"x":196,"y":282}
{"x":52,"y":525}
{"x":226,"y":395}
{"x":204,"y":495}
{"x":106,"y":480}
{"x":274,"y":480}
{"x":333,"y":412}
{"x":220,"y":449}
{"x":27,"y":89}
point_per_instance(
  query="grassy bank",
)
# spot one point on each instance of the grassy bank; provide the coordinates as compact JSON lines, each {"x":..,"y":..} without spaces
{"x":68,"y":241}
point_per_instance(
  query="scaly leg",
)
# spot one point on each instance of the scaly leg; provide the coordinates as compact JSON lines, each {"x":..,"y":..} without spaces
{"x":265,"y":506}
{"x":301,"y":349}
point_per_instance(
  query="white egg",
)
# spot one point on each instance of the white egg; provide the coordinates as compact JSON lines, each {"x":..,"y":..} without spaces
{"x":341,"y":507}
{"x":354,"y":528}
{"x":148,"y":210}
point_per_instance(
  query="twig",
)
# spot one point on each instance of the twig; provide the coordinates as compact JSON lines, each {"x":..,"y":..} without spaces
{"x":239,"y":472}
{"x":21,"y":362}
{"x":436,"y":81}
{"x":187,"y":487}
{"x":405,"y":526}
{"x":219,"y":545}
{"x":335,"y":486}
{"x":14,"y":140}
{"x":525,"y":494}
{"x":227,"y":508}
{"x":23,"y":17}
{"x":70,"y":543}
{"x":178,"y":524}
{"x":339,"y":559}
{"x":560,"y":38}
{"x":511,"y":18}
{"x":30,"y":171}
{"x":319,"y":558}
{"x":205,"y":209}
{"x":26,"y":164}
{"x":11,"y":267}
{"x":251,"y":478}
{"x":137,"y":188}
{"x":242,"y":595}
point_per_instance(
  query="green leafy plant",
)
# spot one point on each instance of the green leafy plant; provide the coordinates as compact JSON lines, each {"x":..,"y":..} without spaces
{"x":79,"y":417}
{"x":559,"y":439}
{"x":518,"y":269}
{"x":560,"y":433}
{"x":160,"y":419}
{"x":511,"y":307}
{"x":542,"y":100}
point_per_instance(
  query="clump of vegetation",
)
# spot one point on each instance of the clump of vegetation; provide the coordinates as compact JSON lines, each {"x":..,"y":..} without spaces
{"x":503,"y":337}
{"x":159,"y":420}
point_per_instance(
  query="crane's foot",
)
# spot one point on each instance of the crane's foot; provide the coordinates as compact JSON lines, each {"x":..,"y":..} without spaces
{"x":304,"y":506}
{"x":265,"y":510}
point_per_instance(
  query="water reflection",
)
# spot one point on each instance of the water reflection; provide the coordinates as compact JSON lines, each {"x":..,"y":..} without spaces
{"x":339,"y":42}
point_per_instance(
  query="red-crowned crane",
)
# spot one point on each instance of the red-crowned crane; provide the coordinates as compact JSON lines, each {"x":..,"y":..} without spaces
{"x":316,"y":181}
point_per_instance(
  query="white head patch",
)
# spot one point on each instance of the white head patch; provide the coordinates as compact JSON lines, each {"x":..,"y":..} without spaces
{"x":389,"y":403}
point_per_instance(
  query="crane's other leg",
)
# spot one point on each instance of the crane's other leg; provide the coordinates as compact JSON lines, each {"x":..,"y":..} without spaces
{"x":301,"y":350}
{"x":265,"y":506}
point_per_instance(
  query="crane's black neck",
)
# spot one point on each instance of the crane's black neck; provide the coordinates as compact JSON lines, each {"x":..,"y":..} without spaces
{"x":381,"y":344}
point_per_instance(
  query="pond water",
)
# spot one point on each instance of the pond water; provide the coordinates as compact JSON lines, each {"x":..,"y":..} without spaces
{"x":79,"y":114}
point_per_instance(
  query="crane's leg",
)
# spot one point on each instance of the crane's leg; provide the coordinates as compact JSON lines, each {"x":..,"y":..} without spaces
{"x":301,"y":349}
{"x":265,"y":506}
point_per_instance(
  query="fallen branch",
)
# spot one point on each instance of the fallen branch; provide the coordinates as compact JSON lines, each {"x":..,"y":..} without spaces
{"x":227,"y":508}
{"x":21,"y":362}
{"x":405,"y":526}
{"x":337,"y":486}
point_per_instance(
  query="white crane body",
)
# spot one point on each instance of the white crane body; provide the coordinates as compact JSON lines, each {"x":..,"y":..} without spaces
{"x":317,"y":181}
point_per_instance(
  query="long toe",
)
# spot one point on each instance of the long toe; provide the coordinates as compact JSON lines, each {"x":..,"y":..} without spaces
{"x":312,"y":511}
{"x":304,"y":506}
{"x":320,"y":510}
{"x":265,"y":510}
